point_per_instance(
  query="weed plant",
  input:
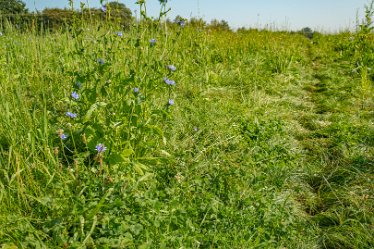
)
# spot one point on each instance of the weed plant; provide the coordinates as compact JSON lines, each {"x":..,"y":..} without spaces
{"x":177,"y":136}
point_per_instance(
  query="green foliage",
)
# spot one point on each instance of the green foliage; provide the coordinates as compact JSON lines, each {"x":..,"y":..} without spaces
{"x":219,"y":25}
{"x":265,"y":146}
{"x":364,"y":52}
{"x":307,"y":32}
{"x":12,"y":7}
{"x":55,"y":18}
{"x":119,"y":14}
{"x":363,"y":40}
{"x":197,"y":22}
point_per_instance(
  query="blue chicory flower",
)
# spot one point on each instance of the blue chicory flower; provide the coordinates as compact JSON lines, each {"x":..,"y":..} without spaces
{"x":100,"y":61}
{"x":63,"y":136}
{"x":182,"y":23}
{"x":75,"y":95}
{"x":103,"y":8}
{"x":172,"y":68}
{"x":169,"y":82}
{"x":136,"y":90}
{"x":71,"y":115}
{"x":119,"y":33}
{"x":171,"y":102}
{"x":100,"y":148}
{"x":152,"y":42}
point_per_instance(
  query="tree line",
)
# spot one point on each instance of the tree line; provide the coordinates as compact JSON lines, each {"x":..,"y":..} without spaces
{"x":16,"y":13}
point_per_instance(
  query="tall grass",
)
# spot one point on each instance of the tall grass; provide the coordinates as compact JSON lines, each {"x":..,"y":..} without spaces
{"x":264,"y":144}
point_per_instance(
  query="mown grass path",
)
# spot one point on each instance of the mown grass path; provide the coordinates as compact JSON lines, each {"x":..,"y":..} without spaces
{"x":337,"y":139}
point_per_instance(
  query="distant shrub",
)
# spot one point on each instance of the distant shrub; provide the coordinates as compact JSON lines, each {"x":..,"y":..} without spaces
{"x":119,"y":13}
{"x":219,"y":25}
{"x":55,"y":18}
{"x":307,"y":32}
{"x":197,"y":22}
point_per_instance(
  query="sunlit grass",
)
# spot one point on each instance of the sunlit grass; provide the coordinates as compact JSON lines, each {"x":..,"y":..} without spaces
{"x":266,"y":144}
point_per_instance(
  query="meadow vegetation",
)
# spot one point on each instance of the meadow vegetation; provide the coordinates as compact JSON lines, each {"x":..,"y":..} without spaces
{"x":173,"y":135}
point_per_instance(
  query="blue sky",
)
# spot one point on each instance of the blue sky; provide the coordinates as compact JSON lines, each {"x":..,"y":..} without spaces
{"x":321,"y":15}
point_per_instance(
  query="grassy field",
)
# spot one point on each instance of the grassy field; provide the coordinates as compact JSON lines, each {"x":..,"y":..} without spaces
{"x":257,"y":139}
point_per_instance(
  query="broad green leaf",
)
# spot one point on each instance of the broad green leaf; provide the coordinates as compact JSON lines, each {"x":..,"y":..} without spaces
{"x":140,"y":168}
{"x":91,"y":110}
{"x":127,"y":152}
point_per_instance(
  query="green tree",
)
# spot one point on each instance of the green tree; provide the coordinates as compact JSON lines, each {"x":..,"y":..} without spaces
{"x":114,"y":12}
{"x":119,"y":12}
{"x":307,"y":32}
{"x":12,"y":7}
{"x":55,"y":18}
{"x":197,"y":22}
{"x":219,"y":25}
